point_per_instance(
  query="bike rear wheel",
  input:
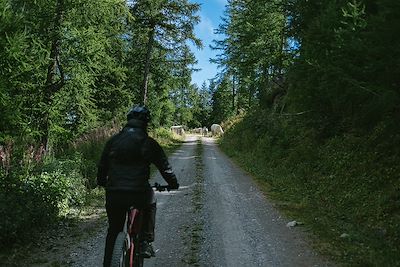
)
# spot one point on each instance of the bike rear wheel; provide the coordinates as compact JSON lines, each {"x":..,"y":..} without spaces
{"x":120,"y":258}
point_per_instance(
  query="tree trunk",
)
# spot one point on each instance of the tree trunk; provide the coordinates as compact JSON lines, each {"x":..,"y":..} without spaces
{"x":233,"y":92}
{"x":147,"y":65}
{"x":52,"y":85}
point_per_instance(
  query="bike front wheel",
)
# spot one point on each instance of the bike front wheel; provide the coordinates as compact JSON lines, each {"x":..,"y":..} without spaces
{"x":120,"y":257}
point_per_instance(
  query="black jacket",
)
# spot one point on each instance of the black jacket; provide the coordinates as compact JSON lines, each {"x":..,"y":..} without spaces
{"x":126,"y":158}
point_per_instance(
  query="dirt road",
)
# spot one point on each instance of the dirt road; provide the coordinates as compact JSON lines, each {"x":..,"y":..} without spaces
{"x":217,"y":218}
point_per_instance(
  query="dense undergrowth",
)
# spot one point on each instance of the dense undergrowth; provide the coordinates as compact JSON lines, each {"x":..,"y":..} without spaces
{"x":37,"y":194}
{"x":344,"y":184}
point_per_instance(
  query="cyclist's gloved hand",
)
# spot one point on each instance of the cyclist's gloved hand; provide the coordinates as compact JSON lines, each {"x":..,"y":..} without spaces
{"x":174,"y":185}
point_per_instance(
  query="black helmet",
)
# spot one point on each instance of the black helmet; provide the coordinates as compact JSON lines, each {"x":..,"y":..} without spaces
{"x":140,"y":113}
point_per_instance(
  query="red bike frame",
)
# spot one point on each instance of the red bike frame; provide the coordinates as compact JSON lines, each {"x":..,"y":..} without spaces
{"x":134,"y":225}
{"x":128,"y":246}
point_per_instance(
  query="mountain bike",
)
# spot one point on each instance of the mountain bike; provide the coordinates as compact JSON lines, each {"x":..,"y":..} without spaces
{"x":127,"y":248}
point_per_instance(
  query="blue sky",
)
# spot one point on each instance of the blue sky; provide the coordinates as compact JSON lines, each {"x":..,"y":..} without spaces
{"x":210,"y":14}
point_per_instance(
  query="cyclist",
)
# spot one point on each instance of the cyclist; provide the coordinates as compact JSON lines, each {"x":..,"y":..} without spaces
{"x":124,"y":171}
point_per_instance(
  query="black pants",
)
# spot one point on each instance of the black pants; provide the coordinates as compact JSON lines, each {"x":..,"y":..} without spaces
{"x":117,"y":203}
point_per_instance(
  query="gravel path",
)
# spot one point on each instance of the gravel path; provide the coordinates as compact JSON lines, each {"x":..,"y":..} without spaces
{"x":89,"y":252}
{"x":218,"y":217}
{"x":243,"y":228}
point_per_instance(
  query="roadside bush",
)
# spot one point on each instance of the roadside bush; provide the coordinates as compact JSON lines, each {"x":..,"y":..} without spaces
{"x":89,"y":153}
{"x":67,"y":182}
{"x":165,"y":137}
{"x":232,"y":121}
{"x":32,"y":201}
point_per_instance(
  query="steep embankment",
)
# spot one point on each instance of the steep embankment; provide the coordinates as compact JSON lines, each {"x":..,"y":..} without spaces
{"x":346,"y":189}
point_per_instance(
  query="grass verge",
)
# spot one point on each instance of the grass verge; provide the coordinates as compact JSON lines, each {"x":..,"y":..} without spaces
{"x":346,"y":189}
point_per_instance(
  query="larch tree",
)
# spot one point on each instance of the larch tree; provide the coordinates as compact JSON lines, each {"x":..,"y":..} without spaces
{"x":164,"y":25}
